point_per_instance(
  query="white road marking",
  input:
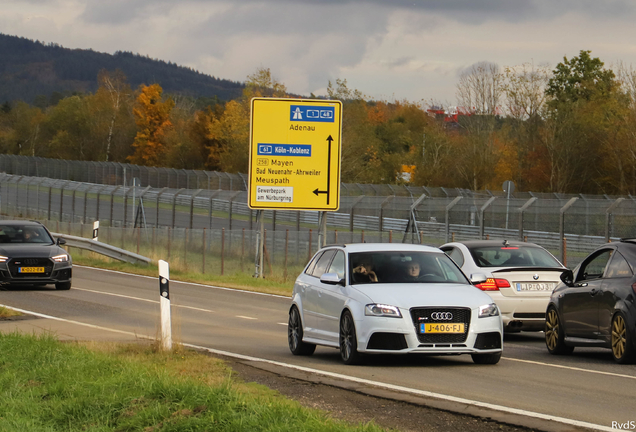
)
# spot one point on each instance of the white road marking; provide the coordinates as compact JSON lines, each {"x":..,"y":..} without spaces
{"x":571,"y":368}
{"x":141,"y":299}
{"x":285,"y":324}
{"x":187,"y":283}
{"x":244,"y":317}
{"x":349,"y":378}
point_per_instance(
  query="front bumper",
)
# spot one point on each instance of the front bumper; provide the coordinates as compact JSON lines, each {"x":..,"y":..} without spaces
{"x":55,"y":272}
{"x":379,"y":335}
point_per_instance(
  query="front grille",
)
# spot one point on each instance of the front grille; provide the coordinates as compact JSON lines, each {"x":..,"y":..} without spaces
{"x":529,"y":315}
{"x":488,"y":341}
{"x":387,"y":341}
{"x":423,"y":316}
{"x":16,"y":263}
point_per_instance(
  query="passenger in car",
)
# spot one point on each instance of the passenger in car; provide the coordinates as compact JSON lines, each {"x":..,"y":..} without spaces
{"x":364,"y":272}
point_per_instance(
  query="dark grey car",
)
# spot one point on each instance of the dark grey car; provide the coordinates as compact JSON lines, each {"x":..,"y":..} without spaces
{"x":29,"y":255}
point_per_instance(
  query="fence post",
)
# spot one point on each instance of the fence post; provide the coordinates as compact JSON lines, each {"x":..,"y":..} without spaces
{"x":112,"y":204}
{"x":353,"y":205}
{"x":174,"y":204}
{"x":562,"y":225}
{"x":192,"y":205}
{"x":608,"y":217}
{"x":522,"y":210}
{"x":203,"y":252}
{"x":381,"y":221}
{"x":481,"y":216}
{"x":447,"y":215}
{"x":48,"y":217}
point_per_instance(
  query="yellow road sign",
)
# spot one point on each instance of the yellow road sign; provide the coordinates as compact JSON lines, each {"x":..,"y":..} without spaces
{"x":295,"y":154}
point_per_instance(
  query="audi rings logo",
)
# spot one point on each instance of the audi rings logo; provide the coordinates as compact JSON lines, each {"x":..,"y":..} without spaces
{"x":442,"y":316}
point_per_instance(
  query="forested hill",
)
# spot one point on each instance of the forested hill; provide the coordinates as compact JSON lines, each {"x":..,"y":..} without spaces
{"x":29,"y":69}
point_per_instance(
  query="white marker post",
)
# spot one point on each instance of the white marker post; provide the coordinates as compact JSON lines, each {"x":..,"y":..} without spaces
{"x":95,"y":230}
{"x":166,"y":326}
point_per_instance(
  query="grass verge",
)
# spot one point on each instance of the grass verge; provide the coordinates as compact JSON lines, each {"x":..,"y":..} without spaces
{"x":46,"y":385}
{"x":232,"y":279}
{"x":7,"y":313}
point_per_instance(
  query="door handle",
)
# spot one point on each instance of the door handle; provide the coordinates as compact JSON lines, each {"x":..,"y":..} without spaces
{"x":593,"y":292}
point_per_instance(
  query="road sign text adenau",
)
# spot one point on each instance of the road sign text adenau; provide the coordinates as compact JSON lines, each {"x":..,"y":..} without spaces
{"x":295,"y":154}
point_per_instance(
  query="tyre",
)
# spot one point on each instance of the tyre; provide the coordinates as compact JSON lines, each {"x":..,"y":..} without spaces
{"x":348,"y":340}
{"x":62,"y":286}
{"x":295,"y":335}
{"x":554,"y":334}
{"x":486,"y":358}
{"x":622,"y":343}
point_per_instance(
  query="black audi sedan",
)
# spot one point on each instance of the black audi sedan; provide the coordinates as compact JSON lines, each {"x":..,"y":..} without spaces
{"x":30,"y":256}
{"x":594,"y":305}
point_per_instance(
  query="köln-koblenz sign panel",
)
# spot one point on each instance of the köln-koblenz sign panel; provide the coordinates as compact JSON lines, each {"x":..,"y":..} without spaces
{"x":295,"y":154}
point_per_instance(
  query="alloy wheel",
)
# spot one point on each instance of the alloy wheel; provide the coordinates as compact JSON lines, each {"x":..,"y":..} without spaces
{"x":552,"y":330}
{"x":619,"y":337}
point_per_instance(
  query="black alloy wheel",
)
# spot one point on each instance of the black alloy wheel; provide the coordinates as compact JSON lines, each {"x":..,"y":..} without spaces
{"x":486,"y":358}
{"x":63,"y":286}
{"x":348,"y":340}
{"x":622,"y":344}
{"x":295,"y":335}
{"x":554,"y":335}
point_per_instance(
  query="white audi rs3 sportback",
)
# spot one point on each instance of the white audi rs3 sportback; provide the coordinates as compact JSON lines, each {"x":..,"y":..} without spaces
{"x":392,"y":299}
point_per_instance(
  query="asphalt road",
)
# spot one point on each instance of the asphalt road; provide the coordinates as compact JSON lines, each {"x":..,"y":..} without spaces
{"x":587,"y":386}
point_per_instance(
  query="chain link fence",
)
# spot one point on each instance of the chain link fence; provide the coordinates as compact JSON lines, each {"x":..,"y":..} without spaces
{"x":569,"y":226}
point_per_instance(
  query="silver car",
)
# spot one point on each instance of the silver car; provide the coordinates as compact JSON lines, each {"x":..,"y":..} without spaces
{"x":391,"y":299}
{"x":521,"y":277}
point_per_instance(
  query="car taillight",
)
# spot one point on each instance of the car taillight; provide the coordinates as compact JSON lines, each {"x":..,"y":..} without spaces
{"x":493,"y":284}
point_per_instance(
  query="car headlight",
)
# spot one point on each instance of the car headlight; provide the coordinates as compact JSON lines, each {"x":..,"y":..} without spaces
{"x":60,"y":258}
{"x":4,"y":259}
{"x":489,"y":310}
{"x":382,"y":310}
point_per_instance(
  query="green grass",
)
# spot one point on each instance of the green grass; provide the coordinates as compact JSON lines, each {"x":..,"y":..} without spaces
{"x":232,"y":278}
{"x":6,"y":313}
{"x":46,"y":385}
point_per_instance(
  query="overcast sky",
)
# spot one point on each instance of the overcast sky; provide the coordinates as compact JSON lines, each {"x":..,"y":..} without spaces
{"x":387,"y":49}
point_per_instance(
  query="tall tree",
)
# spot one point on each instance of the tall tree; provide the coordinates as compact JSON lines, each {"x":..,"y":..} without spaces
{"x":578,"y":87}
{"x":114,"y":87}
{"x":152,"y":116}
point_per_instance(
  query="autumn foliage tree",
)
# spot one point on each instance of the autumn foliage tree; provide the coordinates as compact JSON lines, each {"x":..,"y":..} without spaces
{"x":152,"y":116}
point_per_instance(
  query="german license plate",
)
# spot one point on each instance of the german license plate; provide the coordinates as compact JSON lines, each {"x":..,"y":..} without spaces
{"x":442,"y":328}
{"x":30,"y":269}
{"x":535,"y":286}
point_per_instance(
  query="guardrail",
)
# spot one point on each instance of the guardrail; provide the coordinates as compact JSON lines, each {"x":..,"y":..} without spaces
{"x":103,"y":249}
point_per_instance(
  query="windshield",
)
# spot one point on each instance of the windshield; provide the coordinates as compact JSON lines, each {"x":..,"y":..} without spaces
{"x":403,"y":267}
{"x":24,"y":234}
{"x":513,"y":256}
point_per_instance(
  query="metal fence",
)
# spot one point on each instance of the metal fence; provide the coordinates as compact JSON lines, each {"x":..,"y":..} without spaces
{"x":583,"y":221}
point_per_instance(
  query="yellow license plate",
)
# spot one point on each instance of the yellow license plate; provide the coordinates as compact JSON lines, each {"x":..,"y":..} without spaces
{"x":31,"y":270}
{"x":442,"y":328}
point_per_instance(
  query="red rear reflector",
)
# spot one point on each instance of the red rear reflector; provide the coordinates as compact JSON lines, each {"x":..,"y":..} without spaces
{"x":493,"y":284}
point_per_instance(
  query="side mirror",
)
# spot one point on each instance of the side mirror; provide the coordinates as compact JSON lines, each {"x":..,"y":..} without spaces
{"x":478,"y":278}
{"x":61,"y":242}
{"x":567,"y":277}
{"x":331,"y":279}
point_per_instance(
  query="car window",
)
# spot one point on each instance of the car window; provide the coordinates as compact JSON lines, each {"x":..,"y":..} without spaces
{"x":322,"y":263}
{"x":24,"y":234}
{"x":618,"y":267}
{"x":594,"y":267}
{"x":513,"y":256}
{"x":405,"y":267}
{"x":338,"y":265}
{"x":312,"y":264}
{"x":455,"y":254}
